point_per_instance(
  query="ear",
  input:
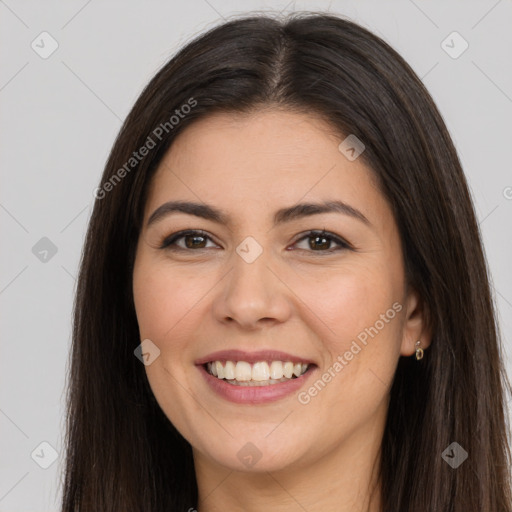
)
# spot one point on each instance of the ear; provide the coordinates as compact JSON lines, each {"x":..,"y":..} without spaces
{"x":415,"y":324}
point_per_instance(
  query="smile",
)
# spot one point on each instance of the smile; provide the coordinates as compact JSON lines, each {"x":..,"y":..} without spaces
{"x":260,"y":373}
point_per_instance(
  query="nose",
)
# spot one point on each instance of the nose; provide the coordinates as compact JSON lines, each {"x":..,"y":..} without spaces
{"x":252,"y":295}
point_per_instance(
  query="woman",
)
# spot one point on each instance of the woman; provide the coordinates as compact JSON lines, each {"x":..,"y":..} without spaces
{"x":283,"y":301}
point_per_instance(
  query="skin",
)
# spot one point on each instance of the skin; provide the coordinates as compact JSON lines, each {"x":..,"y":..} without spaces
{"x":311,"y":302}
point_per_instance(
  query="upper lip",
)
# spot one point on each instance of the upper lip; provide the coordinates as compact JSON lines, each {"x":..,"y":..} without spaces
{"x":251,"y":357}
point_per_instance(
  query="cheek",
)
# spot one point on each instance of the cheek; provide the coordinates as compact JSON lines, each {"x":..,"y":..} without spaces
{"x":359,"y":319}
{"x":161,"y":299}
{"x":347,"y":301}
{"x":164,"y":304}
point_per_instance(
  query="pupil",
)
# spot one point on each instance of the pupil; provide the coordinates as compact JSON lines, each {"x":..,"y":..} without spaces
{"x":323,"y":245}
{"x":193,"y":244}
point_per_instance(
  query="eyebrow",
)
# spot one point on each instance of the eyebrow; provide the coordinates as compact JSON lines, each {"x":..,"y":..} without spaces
{"x":282,"y":216}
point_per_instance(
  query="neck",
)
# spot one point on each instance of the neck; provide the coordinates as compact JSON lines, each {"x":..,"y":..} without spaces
{"x":344,"y":478}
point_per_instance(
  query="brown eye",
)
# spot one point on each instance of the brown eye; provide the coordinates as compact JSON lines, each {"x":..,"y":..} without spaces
{"x":321,"y":241}
{"x":192,"y":240}
{"x":318,"y":241}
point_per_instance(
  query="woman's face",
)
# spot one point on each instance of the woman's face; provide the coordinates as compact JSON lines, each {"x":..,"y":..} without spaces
{"x":255,"y":290}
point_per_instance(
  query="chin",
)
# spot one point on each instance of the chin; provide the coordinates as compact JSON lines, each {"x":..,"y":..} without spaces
{"x":254,"y":456}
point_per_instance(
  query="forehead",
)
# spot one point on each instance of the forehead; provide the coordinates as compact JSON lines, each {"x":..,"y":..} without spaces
{"x":262,"y":160}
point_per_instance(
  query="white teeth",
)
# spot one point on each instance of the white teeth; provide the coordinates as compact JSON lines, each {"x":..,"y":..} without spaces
{"x":276,"y":370}
{"x":253,"y":383}
{"x":243,"y":371}
{"x":220,"y":369}
{"x":288,"y":369}
{"x":229,"y":370}
{"x":212,"y":368}
{"x":259,"y":373}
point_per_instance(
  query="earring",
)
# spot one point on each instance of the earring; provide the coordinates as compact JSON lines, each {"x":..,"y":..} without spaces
{"x":419,"y":350}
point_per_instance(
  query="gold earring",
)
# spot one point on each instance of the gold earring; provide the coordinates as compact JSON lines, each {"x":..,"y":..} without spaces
{"x":419,"y":350}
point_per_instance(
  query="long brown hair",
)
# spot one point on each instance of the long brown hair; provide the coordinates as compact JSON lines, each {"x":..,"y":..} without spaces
{"x":123,"y":454}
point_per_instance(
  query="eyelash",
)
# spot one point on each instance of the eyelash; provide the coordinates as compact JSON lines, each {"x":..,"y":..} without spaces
{"x":169,"y":241}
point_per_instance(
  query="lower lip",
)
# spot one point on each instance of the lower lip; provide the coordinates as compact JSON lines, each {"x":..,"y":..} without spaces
{"x":255,"y":394}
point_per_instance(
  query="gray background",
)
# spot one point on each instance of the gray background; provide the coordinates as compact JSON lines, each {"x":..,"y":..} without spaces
{"x":60,"y":116}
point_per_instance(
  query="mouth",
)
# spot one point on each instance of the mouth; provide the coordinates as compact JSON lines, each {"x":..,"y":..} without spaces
{"x":255,"y":377}
{"x":260,"y":373}
{"x":258,"y":377}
